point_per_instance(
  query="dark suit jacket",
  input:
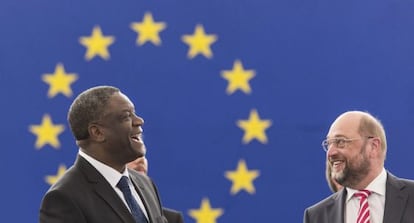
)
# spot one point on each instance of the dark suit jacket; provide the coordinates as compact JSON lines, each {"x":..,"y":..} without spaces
{"x":399,"y":204}
{"x":83,"y":195}
{"x":173,"y":216}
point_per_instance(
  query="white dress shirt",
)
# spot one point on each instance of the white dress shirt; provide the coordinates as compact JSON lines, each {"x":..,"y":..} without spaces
{"x":376,"y":200}
{"x":113,"y":176}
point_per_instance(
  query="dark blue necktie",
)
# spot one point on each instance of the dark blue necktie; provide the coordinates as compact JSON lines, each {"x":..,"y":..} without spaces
{"x":132,"y":203}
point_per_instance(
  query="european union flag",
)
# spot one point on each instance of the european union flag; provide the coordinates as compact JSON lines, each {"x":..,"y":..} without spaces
{"x":236,"y":95}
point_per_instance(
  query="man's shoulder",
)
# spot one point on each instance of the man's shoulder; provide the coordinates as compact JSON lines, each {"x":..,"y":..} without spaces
{"x":172,"y":215}
{"x":72,"y":178}
{"x":326,"y":210}
{"x":171,"y":211}
{"x":407,"y":182}
{"x":328,"y":201}
{"x":400,"y":182}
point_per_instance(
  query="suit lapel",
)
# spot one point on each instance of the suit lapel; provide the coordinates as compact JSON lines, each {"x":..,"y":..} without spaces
{"x":395,"y":200}
{"x":142,"y":186}
{"x":336,"y":210}
{"x":104,"y":190}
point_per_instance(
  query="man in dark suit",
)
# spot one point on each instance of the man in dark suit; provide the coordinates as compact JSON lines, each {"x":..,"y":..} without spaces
{"x":173,"y":216}
{"x":356,"y":149}
{"x":141,"y":165}
{"x":109,"y":135}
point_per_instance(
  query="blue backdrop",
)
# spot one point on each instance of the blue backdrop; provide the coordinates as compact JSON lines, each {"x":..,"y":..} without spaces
{"x":236,"y":95}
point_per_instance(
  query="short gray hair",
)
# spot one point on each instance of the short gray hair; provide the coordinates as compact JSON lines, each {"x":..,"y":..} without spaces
{"x":88,"y":107}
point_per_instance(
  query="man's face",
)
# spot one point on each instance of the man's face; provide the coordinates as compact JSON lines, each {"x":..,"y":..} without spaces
{"x":350,"y":164}
{"x":122,"y":130}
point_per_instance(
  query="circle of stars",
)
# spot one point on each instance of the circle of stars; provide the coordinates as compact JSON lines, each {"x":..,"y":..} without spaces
{"x":148,"y":31}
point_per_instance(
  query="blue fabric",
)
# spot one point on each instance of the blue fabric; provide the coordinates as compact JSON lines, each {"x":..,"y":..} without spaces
{"x":132,"y":203}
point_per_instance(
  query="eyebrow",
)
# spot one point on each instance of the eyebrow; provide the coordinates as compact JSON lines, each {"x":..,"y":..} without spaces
{"x":337,"y":136}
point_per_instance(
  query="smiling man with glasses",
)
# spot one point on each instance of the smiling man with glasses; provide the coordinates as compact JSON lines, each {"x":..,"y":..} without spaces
{"x":356,"y":148}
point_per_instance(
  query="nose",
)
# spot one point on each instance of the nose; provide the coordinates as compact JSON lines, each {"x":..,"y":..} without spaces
{"x":138,"y":120}
{"x":332,"y":150}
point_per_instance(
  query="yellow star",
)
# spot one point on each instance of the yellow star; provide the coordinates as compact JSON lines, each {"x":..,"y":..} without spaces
{"x":97,"y":44}
{"x":51,"y":179}
{"x":238,"y":78}
{"x":47,"y":133}
{"x":148,"y":30}
{"x":199,"y":42}
{"x":254,"y":128}
{"x":242,"y":178}
{"x":206,"y":214}
{"x":59,"y":81}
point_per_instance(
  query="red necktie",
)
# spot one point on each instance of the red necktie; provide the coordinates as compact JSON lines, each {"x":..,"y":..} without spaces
{"x":363,"y":213}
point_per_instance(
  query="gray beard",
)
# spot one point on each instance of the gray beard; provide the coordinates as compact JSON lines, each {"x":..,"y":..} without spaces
{"x":353,"y":173}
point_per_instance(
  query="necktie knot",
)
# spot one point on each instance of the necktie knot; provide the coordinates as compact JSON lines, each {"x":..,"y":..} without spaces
{"x":123,"y":184}
{"x":362,"y":194}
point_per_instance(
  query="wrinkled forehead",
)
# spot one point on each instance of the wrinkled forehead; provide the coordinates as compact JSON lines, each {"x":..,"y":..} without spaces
{"x":345,"y":125}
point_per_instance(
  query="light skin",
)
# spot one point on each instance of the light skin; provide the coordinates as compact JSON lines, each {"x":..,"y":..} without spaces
{"x":140,"y":165}
{"x":116,"y":138}
{"x":333,"y":185}
{"x":362,"y":159}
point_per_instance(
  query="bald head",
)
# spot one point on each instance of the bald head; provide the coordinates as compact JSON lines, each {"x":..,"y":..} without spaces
{"x":357,"y":149}
{"x":362,"y":123}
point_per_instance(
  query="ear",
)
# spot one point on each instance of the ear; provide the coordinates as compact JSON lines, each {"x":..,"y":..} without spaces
{"x":96,"y":132}
{"x":376,"y":146}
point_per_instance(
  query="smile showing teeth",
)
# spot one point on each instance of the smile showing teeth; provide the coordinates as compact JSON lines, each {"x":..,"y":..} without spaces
{"x":337,"y":165}
{"x":136,"y":137}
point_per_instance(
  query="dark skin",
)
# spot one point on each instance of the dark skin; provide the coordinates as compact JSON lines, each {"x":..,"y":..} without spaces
{"x":116,"y":138}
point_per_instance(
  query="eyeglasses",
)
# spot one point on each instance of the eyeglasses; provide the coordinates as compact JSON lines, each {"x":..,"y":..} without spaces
{"x":339,"y":142}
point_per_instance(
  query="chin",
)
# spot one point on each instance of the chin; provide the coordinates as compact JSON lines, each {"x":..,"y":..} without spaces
{"x":139,"y":153}
{"x":138,"y":150}
{"x":338,"y":176}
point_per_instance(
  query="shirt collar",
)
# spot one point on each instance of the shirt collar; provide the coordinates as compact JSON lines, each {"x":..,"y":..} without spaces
{"x":376,"y":186}
{"x":109,"y":173}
